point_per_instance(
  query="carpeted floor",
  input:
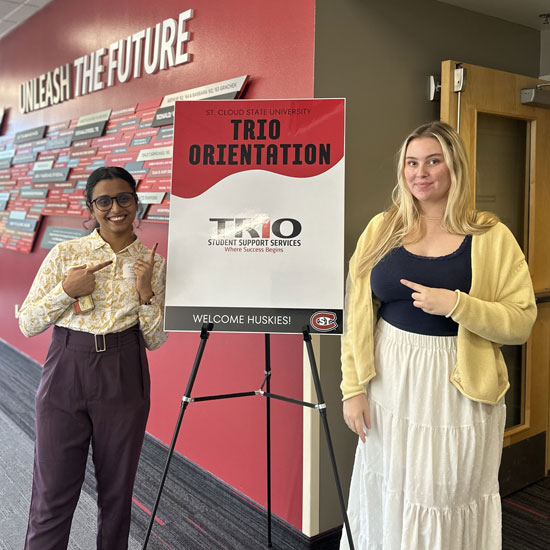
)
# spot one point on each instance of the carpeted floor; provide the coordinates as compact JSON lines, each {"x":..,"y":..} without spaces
{"x":197,"y":511}
{"x":526,"y":518}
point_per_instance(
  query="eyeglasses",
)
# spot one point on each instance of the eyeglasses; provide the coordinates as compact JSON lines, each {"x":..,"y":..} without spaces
{"x":104,"y":202}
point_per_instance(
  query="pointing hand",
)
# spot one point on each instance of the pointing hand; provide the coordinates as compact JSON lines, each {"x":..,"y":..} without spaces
{"x":80,"y":280}
{"x":435,"y":301}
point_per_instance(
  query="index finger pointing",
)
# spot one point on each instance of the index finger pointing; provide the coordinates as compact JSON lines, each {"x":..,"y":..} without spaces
{"x":99,"y":266}
{"x":152,"y":255}
{"x":410,"y":284}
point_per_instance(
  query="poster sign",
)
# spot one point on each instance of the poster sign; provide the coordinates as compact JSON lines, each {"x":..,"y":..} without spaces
{"x":256,"y":237}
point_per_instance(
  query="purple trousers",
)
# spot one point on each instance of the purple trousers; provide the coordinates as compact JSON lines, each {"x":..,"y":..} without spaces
{"x":87,"y":395}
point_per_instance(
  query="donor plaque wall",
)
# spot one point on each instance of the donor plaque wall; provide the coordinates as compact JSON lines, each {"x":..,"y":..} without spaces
{"x":43,"y":170}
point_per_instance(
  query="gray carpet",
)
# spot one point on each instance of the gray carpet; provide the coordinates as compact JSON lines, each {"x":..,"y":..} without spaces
{"x":526,"y":518}
{"x":197,"y":511}
{"x":16,"y":452}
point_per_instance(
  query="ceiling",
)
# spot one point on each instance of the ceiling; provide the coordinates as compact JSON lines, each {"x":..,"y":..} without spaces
{"x":14,"y":12}
{"x":523,"y":12}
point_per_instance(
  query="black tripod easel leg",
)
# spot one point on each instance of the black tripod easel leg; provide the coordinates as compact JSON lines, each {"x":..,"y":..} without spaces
{"x":323,"y":412}
{"x":205,"y":330}
{"x":268,"y":433}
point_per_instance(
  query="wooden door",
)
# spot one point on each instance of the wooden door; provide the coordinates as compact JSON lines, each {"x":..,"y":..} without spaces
{"x":508,"y":145}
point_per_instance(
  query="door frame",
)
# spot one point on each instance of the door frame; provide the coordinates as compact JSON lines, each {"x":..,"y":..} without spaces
{"x":498,"y":93}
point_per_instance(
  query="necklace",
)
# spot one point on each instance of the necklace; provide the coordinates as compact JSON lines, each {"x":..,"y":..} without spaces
{"x":431,"y":217}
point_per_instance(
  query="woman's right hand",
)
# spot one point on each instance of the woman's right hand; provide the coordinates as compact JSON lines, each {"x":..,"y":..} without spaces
{"x":80,"y":281}
{"x":357,"y":414}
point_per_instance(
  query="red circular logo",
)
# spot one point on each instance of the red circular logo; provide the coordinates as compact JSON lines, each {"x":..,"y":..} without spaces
{"x":324,"y":321}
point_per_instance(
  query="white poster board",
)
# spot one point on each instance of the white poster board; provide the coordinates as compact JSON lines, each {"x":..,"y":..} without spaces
{"x":256,"y":237}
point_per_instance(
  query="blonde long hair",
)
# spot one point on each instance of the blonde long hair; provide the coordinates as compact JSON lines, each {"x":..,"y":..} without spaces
{"x":403,"y":217}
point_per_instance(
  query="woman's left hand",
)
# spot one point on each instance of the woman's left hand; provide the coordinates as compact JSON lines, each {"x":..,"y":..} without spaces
{"x":435,"y":301}
{"x":144,"y":275}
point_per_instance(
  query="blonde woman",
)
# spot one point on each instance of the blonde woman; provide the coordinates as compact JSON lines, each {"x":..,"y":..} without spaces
{"x":434,"y":289}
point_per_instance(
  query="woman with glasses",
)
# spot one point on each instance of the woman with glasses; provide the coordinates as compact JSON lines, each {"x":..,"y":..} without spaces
{"x":104,"y":295}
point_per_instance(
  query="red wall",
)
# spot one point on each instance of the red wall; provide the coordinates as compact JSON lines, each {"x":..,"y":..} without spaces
{"x":273,"y":42}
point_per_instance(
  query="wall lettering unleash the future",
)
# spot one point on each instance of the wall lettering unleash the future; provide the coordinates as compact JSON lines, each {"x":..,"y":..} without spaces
{"x":151,"y":49}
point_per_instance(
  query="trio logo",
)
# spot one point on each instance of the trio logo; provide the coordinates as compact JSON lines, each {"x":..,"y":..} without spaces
{"x":257,"y":227}
{"x":324,"y":321}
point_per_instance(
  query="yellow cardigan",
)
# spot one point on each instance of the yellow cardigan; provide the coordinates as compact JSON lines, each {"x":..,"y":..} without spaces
{"x":499,"y":309}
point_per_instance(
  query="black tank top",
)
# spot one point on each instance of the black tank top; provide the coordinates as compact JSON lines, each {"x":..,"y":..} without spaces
{"x":453,"y":271}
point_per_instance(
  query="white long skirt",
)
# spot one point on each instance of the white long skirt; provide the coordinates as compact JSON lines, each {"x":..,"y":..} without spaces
{"x":427,"y":476}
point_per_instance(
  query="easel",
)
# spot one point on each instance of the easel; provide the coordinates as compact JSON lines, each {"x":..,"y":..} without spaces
{"x":320,"y":406}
